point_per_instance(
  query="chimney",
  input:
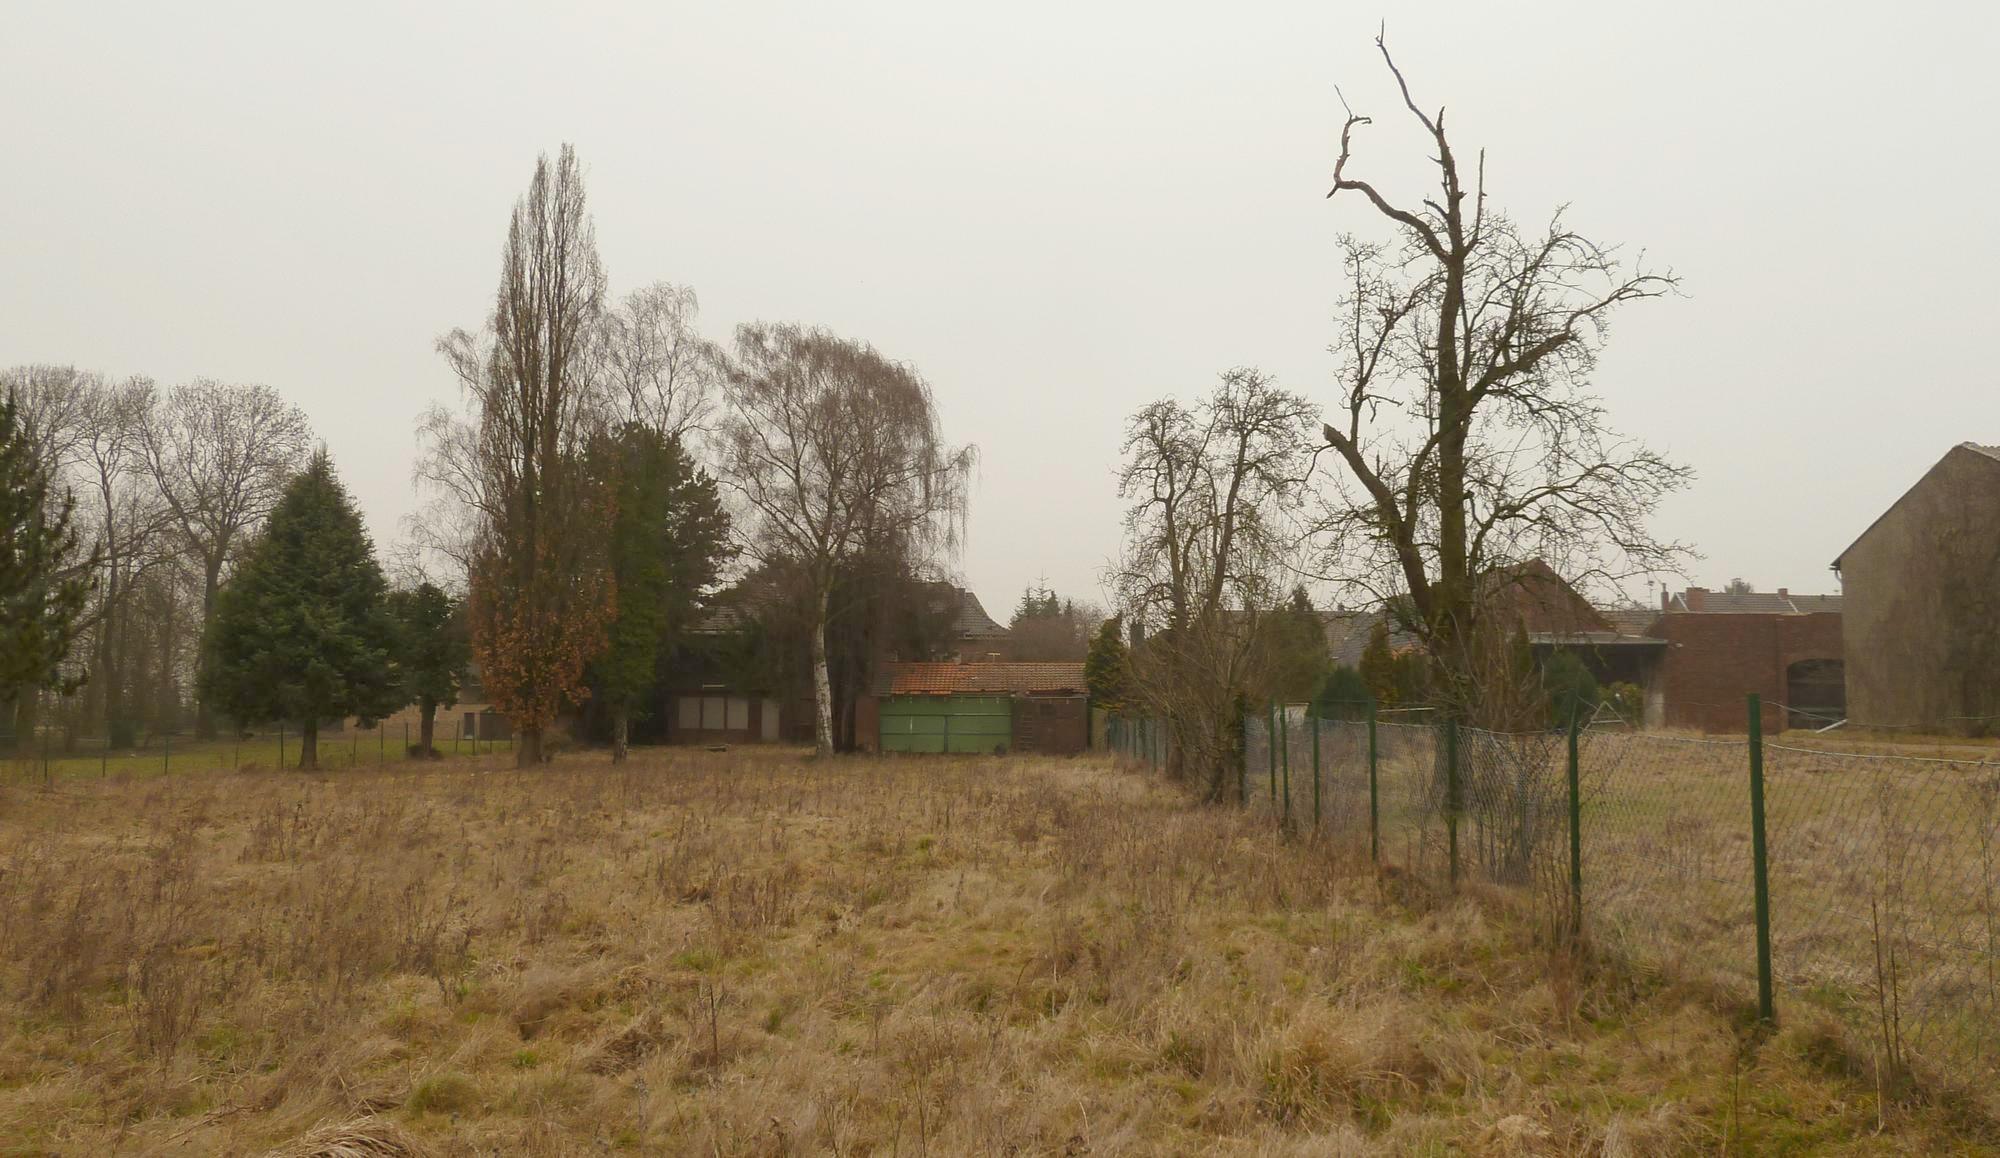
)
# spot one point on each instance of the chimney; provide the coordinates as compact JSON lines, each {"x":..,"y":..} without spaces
{"x":1666,"y":599}
{"x":1697,"y":598}
{"x":1784,"y":594}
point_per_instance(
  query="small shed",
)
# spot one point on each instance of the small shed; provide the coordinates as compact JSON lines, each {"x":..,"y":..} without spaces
{"x":977,"y":708}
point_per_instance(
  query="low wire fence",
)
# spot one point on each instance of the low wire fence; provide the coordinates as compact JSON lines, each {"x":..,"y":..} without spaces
{"x":52,"y":755}
{"x":1803,"y":878}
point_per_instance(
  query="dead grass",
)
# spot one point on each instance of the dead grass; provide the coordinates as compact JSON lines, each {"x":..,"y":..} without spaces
{"x":748,"y":953}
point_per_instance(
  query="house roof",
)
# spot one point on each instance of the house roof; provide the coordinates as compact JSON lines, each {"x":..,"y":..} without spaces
{"x":950,"y":679}
{"x":1985,"y":453}
{"x":1592,"y":639}
{"x":972,"y":622}
{"x":1755,"y":603}
{"x":1632,"y":621}
{"x":737,"y":608}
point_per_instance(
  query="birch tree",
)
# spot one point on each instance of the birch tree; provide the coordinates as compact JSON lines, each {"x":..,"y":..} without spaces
{"x":834,"y":451}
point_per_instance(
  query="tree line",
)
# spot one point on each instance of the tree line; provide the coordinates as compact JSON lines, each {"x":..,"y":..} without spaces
{"x":1463,"y":437}
{"x":605,"y":469}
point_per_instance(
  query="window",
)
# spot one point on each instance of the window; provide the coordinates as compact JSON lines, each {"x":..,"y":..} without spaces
{"x":712,"y":713}
{"x":739,"y":714}
{"x":687,"y":713}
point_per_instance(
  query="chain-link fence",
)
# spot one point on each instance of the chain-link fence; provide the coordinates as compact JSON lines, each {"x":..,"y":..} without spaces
{"x":52,"y":755}
{"x":1802,"y":878}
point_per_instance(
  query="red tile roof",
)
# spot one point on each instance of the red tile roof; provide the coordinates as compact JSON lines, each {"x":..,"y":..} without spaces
{"x":946,"y":679}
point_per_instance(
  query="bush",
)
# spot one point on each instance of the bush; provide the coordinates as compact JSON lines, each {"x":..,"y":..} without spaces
{"x":1344,"y":695}
{"x":1570,"y":688}
{"x":1628,"y":701}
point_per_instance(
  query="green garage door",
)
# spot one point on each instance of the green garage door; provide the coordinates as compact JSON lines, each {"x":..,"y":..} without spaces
{"x":947,"y":723}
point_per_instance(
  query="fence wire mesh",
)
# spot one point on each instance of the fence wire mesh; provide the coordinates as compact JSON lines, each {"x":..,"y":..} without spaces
{"x":52,"y":755}
{"x":1883,"y":869}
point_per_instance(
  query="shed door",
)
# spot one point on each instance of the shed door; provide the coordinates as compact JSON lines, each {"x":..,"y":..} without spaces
{"x":947,"y":723}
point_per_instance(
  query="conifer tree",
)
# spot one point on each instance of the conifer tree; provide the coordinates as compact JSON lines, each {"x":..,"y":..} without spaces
{"x":1104,"y":668}
{"x":669,"y":539}
{"x":302,"y":633}
{"x":42,"y":593}
{"x":432,"y":650}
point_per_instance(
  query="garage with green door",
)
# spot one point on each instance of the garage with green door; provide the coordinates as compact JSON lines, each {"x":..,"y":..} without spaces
{"x":947,"y":723}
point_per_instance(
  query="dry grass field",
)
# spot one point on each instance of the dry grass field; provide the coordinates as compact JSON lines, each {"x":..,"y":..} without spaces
{"x":752,"y":953}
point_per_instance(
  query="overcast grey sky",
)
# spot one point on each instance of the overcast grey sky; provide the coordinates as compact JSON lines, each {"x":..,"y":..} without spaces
{"x":1057,"y":211}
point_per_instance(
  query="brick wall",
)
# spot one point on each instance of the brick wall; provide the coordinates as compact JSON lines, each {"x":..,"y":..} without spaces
{"x":1055,"y":726}
{"x":1714,"y":660}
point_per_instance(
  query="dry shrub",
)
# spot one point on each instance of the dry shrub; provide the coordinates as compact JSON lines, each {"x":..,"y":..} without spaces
{"x":367,"y":1137}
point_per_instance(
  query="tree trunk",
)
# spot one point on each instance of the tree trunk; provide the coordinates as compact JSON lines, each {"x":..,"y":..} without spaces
{"x":26,"y":701}
{"x":527,"y":746}
{"x":427,"y":727}
{"x":822,"y":685}
{"x":621,"y":730}
{"x":204,"y":722}
{"x":309,"y":746}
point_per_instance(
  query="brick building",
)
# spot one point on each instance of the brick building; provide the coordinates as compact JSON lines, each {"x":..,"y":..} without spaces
{"x":976,"y":708}
{"x":1723,"y":646}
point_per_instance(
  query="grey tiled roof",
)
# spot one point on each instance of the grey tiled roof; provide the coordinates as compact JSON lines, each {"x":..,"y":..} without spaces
{"x":972,"y":622}
{"x":1635,"y":621}
{"x":1757,"y":603}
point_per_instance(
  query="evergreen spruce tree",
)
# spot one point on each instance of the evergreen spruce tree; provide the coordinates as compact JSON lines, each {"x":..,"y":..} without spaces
{"x":1378,"y":664}
{"x":302,"y":632}
{"x":432,"y":650}
{"x":1104,"y":668}
{"x":669,"y":539}
{"x":42,"y":590}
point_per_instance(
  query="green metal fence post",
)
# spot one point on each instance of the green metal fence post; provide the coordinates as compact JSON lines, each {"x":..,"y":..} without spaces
{"x":281,"y":743}
{"x":1242,"y":756}
{"x":1760,"y":867}
{"x":1575,"y":836}
{"x":167,"y":755}
{"x":1271,"y":748}
{"x":1312,"y":720}
{"x":1374,"y":793}
{"x":48,"y":769}
{"x":1451,"y":795}
{"x":1285,"y":750}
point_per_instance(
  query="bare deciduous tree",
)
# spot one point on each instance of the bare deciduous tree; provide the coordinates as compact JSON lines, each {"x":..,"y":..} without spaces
{"x":1467,"y":427}
{"x":1213,"y":488}
{"x":660,"y":371}
{"x":128,"y":519}
{"x":221,"y":454}
{"x":534,"y":524}
{"x":835,"y":451}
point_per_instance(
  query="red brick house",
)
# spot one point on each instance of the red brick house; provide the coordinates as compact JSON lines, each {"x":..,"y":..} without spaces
{"x":1722,"y":646}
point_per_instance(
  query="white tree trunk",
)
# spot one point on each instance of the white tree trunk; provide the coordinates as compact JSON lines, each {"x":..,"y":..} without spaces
{"x":822,"y":686}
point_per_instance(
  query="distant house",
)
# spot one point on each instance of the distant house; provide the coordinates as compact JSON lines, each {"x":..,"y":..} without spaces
{"x":1533,"y":599}
{"x":1695,"y":658}
{"x":704,"y":698}
{"x":1722,"y":646}
{"x":975,"y":634}
{"x":1922,"y":587}
{"x":976,"y":708}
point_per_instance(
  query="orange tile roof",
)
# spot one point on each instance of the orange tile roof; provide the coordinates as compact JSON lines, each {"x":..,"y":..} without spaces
{"x":946,"y":679}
